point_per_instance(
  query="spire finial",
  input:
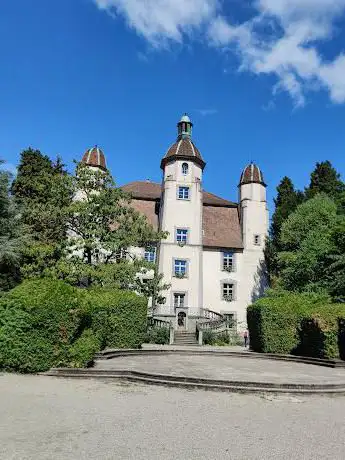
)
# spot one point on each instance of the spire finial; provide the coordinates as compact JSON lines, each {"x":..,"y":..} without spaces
{"x":184,"y":126}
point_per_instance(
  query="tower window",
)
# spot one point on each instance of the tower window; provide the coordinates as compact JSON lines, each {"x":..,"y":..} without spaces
{"x":228,"y":261}
{"x":181,"y":235}
{"x":185,"y":169}
{"x":183,"y":193}
{"x":257,"y":240}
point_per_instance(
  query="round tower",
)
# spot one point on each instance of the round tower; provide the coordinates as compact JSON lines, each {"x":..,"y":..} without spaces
{"x":180,"y":256}
{"x":253,"y":207}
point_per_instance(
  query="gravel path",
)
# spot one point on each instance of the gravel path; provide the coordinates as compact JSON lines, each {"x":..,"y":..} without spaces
{"x":47,"y":418}
{"x":226,"y":368}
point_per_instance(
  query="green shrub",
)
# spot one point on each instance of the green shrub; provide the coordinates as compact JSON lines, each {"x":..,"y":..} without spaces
{"x":209,"y":337}
{"x":118,"y":318}
{"x":82,"y":351}
{"x":158,"y":335}
{"x":38,"y":322}
{"x":47,"y":323}
{"x":292,"y":323}
{"x":320,"y":333}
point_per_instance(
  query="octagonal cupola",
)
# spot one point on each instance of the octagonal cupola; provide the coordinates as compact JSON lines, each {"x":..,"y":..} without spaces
{"x":252,"y":174}
{"x":94,"y":157}
{"x":184,"y":148}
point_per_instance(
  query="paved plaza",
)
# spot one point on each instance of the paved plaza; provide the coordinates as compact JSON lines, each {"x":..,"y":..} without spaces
{"x":216,"y":366}
{"x":46,"y":418}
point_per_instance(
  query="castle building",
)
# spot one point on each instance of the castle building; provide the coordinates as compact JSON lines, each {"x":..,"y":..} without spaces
{"x":213,"y":257}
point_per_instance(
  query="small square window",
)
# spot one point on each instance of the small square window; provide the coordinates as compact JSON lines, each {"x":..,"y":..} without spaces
{"x":228,"y":292}
{"x":257,"y":240}
{"x":228,"y":261}
{"x":180,"y":268}
{"x":181,"y":235}
{"x":150,"y":254}
{"x":183,"y":193}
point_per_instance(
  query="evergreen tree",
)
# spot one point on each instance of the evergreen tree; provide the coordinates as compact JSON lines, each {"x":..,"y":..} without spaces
{"x":286,"y":202}
{"x":41,"y":190}
{"x":325,"y":179}
{"x":10,"y":236}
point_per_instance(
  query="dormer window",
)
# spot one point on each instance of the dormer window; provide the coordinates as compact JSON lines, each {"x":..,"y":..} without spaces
{"x":185,"y":169}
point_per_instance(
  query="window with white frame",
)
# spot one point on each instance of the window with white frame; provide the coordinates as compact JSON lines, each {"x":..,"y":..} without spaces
{"x":180,"y":267}
{"x":185,"y":169}
{"x":181,"y":235}
{"x":183,"y":193}
{"x":257,"y":240}
{"x":179,"y":300}
{"x":150,"y":254}
{"x":228,"y":261}
{"x":228,"y":292}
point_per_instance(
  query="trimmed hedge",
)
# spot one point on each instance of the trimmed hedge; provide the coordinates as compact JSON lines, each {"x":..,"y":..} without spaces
{"x":292,"y":323}
{"x":158,"y":335}
{"x":46,"y":323}
{"x":118,"y":317}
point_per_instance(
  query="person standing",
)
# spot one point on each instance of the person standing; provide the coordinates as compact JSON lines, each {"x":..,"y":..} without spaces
{"x":245,"y":336}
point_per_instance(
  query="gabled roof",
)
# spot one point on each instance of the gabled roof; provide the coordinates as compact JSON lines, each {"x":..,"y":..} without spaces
{"x":145,"y":190}
{"x":221,"y":224}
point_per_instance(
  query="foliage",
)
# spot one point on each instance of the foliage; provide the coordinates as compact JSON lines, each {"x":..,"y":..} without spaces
{"x":306,"y":237}
{"x":292,"y":323}
{"x":118,"y":317}
{"x":38,"y":322}
{"x":225,"y":338}
{"x":11,"y":238}
{"x":102,"y":229}
{"x":335,"y":272}
{"x":209,"y":337}
{"x":325,"y":179}
{"x":41,"y":190}
{"x":158,"y":335}
{"x":81,"y":352}
{"x":286,"y":202}
{"x":47,"y":323}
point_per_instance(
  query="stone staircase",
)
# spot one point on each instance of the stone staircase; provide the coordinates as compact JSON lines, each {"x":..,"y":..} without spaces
{"x":185,"y":338}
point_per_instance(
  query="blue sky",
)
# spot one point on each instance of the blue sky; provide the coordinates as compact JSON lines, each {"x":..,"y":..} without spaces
{"x":262,"y":80}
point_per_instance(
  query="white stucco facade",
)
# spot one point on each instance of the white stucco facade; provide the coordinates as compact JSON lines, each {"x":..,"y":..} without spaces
{"x":205,"y":278}
{"x":213,"y":256}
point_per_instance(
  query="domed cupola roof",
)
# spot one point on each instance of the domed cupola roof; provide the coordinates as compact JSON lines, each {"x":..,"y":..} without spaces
{"x":94,"y":157}
{"x":252,"y":174}
{"x":183,"y":148}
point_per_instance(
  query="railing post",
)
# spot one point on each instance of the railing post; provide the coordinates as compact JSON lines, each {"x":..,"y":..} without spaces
{"x":200,"y":337}
{"x":171,"y":335}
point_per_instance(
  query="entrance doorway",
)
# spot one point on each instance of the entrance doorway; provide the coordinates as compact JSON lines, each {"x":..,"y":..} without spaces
{"x":181,"y":321}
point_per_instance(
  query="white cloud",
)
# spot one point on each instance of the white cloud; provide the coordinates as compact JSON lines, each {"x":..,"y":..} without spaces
{"x":161,"y":21}
{"x":282,"y":37}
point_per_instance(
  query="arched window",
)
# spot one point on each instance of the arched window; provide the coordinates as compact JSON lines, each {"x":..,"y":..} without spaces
{"x":185,"y":169}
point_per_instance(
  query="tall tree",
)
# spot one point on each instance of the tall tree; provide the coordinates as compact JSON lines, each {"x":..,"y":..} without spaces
{"x":325,"y":179}
{"x":41,"y":190}
{"x":286,"y":202}
{"x":306,"y":237}
{"x":10,"y":236}
{"x":102,"y":228}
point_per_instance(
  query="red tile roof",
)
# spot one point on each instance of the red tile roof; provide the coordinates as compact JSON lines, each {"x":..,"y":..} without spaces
{"x":221,"y":224}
